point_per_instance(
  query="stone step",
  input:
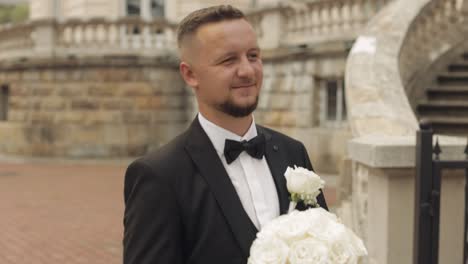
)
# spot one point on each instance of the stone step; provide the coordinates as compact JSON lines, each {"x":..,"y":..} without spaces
{"x":449,"y":125}
{"x":458,"y":67}
{"x":448,"y":93}
{"x":443,"y":107}
{"x":453,"y":78}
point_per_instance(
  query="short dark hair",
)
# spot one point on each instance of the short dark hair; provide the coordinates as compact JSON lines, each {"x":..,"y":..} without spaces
{"x":196,"y":19}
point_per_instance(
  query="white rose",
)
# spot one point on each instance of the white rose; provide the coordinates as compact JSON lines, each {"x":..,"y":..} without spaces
{"x":304,"y":184}
{"x":289,"y":228}
{"x":268,"y":251}
{"x":309,"y":250}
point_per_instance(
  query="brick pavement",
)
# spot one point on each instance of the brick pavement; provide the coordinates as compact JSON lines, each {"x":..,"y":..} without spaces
{"x":63,"y":213}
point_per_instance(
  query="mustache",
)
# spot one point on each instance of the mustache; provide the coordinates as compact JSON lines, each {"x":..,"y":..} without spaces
{"x":244,"y":83}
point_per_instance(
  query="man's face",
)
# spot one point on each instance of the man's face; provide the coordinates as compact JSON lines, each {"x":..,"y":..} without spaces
{"x":225,"y":67}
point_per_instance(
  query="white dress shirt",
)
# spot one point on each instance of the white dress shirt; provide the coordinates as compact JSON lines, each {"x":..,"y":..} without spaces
{"x":251,"y":177}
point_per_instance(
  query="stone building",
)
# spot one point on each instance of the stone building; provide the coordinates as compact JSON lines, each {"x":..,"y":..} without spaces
{"x":99,"y":78}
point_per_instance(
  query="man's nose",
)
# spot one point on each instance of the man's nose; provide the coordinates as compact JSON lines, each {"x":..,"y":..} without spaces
{"x":245,"y":69}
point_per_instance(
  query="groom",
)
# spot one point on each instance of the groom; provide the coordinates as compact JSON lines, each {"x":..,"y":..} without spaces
{"x":202,"y":198}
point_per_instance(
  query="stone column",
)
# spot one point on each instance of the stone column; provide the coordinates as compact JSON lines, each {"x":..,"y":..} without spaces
{"x":145,"y":10}
{"x":42,"y":9}
{"x":271,"y":28}
{"x":44,"y":38}
{"x":384,"y":198}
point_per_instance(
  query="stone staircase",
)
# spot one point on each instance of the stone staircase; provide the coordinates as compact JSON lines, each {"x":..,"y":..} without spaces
{"x":446,"y":104}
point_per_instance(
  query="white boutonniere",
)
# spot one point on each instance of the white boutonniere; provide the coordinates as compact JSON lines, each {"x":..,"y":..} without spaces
{"x":303,"y":185}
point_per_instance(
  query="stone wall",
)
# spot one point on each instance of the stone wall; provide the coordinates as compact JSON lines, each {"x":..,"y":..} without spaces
{"x":91,"y":107}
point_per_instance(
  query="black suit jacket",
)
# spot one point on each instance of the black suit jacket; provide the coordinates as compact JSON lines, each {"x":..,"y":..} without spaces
{"x":181,"y":207}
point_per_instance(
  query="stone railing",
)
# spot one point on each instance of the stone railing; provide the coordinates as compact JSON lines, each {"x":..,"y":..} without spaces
{"x":309,"y":22}
{"x":97,"y":37}
{"x":313,"y":22}
{"x":437,"y":29}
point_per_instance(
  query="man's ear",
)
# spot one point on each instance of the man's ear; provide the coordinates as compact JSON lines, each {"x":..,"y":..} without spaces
{"x":188,"y":74}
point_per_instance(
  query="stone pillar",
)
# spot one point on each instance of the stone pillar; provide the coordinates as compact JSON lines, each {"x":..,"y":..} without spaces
{"x":44,"y":38}
{"x":271,"y":28}
{"x":384,"y":198}
{"x":170,"y":10}
{"x":145,"y":10}
{"x":42,"y":9}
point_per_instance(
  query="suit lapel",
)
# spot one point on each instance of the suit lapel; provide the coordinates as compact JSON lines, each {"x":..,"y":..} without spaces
{"x":211,"y":168}
{"x":276,"y":159}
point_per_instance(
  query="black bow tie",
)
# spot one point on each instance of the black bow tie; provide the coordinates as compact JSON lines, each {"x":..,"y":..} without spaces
{"x":254,"y":147}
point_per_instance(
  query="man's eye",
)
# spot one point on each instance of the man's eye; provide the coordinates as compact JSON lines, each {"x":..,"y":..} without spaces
{"x":228,"y":60}
{"x":253,"y":56}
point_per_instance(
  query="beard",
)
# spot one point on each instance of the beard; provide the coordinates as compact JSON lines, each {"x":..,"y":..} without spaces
{"x":228,"y":107}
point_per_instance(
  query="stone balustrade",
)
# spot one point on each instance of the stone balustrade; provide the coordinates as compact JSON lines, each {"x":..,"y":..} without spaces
{"x":313,"y":22}
{"x":96,"y":37}
{"x":437,"y":29}
{"x":280,"y":26}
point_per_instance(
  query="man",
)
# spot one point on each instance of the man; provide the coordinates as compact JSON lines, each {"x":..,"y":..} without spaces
{"x":202,"y":198}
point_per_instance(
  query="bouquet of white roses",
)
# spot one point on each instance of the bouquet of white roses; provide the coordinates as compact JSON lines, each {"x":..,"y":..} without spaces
{"x":314,"y":236}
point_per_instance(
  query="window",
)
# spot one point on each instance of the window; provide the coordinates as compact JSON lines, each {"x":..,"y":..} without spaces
{"x":4,"y":94}
{"x":133,"y":8}
{"x":332,"y":103}
{"x":157,"y":8}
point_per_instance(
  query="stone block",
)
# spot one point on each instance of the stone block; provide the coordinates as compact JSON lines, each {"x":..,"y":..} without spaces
{"x":19,"y":90}
{"x":47,"y":75}
{"x":297,"y":67}
{"x":148,"y":103}
{"x":311,"y":67}
{"x":19,"y":103}
{"x":169,"y":116}
{"x":53,"y":104}
{"x":102,"y":89}
{"x":13,"y":76}
{"x":135,"y":89}
{"x":84,"y":104}
{"x":71,"y":89}
{"x":173,"y":101}
{"x":70,"y":117}
{"x":280,"y":101}
{"x":43,"y":89}
{"x":136,"y":117}
{"x":31,"y":75}
{"x":42,"y":117}
{"x":301,"y":102}
{"x":17,"y":116}
{"x":116,"y":104}
{"x":273,"y":118}
{"x":61,"y":76}
{"x":102,"y":117}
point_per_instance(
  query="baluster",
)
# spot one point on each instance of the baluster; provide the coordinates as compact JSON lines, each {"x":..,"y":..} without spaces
{"x":356,"y":15}
{"x":322,"y":19}
{"x":335,"y":21}
{"x":346,"y":16}
{"x":315,"y":17}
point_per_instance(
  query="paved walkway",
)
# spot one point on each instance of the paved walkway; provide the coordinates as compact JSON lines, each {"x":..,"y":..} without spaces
{"x":63,"y":214}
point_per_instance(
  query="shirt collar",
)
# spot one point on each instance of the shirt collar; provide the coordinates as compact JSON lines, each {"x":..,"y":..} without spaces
{"x":218,"y":135}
